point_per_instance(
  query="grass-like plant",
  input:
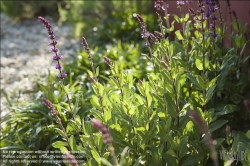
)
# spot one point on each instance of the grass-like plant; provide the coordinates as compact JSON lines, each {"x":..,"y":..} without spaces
{"x":192,"y":105}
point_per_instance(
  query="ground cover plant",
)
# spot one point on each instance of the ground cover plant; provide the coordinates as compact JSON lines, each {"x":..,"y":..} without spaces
{"x":190,"y":108}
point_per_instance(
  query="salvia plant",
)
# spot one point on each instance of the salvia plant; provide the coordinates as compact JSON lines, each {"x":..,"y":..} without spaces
{"x":192,"y":108}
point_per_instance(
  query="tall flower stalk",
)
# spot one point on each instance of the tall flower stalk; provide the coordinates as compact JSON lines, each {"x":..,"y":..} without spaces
{"x":62,"y":75}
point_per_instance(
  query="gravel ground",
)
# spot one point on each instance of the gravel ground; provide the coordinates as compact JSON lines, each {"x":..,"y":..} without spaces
{"x":25,"y":55}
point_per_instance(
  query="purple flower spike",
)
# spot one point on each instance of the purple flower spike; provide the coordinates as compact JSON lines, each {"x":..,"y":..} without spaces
{"x":57,"y":58}
{"x":102,"y":128}
{"x":63,"y":75}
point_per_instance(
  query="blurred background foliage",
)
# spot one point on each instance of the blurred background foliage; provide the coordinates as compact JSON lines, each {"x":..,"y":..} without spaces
{"x":99,"y":21}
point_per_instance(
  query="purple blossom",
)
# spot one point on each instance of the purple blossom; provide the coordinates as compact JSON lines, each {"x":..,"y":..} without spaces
{"x":63,"y":75}
{"x":214,"y":35}
{"x":145,"y":35}
{"x":57,"y":57}
{"x":52,"y":37}
{"x":180,"y":3}
{"x":164,"y":6}
{"x":54,"y":50}
{"x":58,"y":66}
{"x":212,"y":9}
{"x":207,"y":14}
{"x":212,"y":26}
{"x":53,"y":43}
{"x":147,"y":44}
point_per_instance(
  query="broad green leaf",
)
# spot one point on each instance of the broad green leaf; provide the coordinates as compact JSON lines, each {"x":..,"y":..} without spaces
{"x":176,"y":18}
{"x":64,"y":150}
{"x":216,"y":125}
{"x":107,"y":115}
{"x":210,"y":93}
{"x":197,"y":81}
{"x":170,"y":106}
{"x":193,"y":159}
{"x":105,"y":162}
{"x":59,"y":144}
{"x":96,"y":156}
{"x":59,"y":131}
{"x":171,"y":161}
{"x":199,"y":63}
{"x":178,"y":35}
{"x":170,"y":140}
{"x":72,"y":142}
{"x":186,"y":17}
{"x":78,"y":120}
{"x":95,"y":101}
{"x":126,"y":93}
{"x":212,"y":82}
{"x":71,"y":126}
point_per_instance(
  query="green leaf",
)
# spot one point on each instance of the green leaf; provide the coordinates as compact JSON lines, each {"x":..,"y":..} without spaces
{"x":71,"y":126}
{"x":78,"y":120}
{"x":183,"y":149}
{"x":243,"y":48}
{"x":59,"y":131}
{"x":186,"y":17}
{"x":196,"y":80}
{"x":170,"y":106}
{"x":171,"y":161}
{"x":216,"y":125}
{"x":226,"y":110}
{"x":210,"y":93}
{"x":59,"y":144}
{"x":95,"y":101}
{"x":212,"y":82}
{"x":178,"y":35}
{"x":176,"y":18}
{"x":72,"y":142}
{"x":97,"y":71}
{"x":193,"y":159}
{"x":107,"y":115}
{"x":96,"y":156}
{"x":199,"y":63}
{"x":64,"y":150}
{"x":105,"y":162}
{"x":170,"y":141}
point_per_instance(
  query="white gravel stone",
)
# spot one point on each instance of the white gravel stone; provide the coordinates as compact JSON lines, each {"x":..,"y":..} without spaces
{"x":25,"y":55}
